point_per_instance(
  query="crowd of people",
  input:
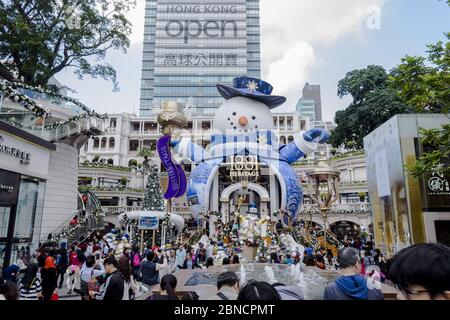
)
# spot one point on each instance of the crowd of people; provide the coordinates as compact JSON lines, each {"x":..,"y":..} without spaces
{"x":101,"y":269}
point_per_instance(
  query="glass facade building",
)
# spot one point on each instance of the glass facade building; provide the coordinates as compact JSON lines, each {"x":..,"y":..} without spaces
{"x":406,"y":210}
{"x":307,"y":108}
{"x":190,"y":46}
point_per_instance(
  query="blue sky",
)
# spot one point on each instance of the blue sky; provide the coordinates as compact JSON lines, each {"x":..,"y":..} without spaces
{"x":406,"y":27}
{"x":324,"y":40}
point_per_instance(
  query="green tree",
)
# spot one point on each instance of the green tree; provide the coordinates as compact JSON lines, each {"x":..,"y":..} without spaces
{"x":374,"y":102}
{"x":153,"y":197}
{"x":424,"y":83}
{"x":39,"y":38}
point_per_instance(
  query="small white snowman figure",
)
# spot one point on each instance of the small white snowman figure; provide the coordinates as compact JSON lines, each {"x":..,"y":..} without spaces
{"x":243,"y":126}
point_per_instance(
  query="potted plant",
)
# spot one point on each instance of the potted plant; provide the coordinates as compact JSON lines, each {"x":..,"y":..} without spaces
{"x":96,"y":158}
{"x":362,"y":196}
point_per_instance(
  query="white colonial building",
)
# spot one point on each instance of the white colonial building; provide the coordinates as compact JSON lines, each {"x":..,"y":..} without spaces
{"x":117,"y":179}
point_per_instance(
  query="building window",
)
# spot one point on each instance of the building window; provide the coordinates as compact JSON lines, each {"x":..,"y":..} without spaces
{"x":96,"y":143}
{"x":136,"y":126}
{"x":134,"y":145}
{"x":206,"y":126}
{"x":112,"y":142}
{"x":86,"y":146}
{"x":290,"y":138}
{"x":110,"y":161}
{"x":150,"y":127}
{"x":104,"y":142}
{"x":113,"y":123}
{"x":283,"y":140}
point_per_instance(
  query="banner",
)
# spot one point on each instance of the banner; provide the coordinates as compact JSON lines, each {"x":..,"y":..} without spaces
{"x":148,"y":223}
{"x":177,"y":179}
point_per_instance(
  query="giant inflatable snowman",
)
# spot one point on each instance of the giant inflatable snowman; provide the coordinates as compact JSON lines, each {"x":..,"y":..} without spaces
{"x":243,"y":125}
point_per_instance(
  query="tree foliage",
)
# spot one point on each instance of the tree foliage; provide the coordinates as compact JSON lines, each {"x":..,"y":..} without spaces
{"x":39,"y":38}
{"x":424,"y":83}
{"x":153,"y":197}
{"x":374,"y":102}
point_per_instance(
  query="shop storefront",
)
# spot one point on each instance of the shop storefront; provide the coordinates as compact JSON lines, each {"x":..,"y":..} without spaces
{"x":405,"y":210}
{"x":24,"y":162}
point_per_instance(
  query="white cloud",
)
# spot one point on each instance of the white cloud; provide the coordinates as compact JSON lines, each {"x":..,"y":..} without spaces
{"x":137,"y":18}
{"x":292,"y":31}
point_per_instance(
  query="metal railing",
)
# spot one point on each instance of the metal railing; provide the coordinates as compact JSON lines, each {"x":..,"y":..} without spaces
{"x":113,"y":210}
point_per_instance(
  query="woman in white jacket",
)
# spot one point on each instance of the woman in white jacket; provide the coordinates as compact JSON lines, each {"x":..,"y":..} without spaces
{"x":91,"y":269}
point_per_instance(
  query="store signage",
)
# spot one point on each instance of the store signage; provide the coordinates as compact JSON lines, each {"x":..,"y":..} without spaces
{"x":23,"y":156}
{"x":244,"y":166}
{"x":9,"y":187}
{"x":437,"y":192}
{"x":148,"y":223}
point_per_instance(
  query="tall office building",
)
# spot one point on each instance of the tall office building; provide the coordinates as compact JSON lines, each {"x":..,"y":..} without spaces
{"x":311,"y":92}
{"x":307,"y":108}
{"x":190,"y":46}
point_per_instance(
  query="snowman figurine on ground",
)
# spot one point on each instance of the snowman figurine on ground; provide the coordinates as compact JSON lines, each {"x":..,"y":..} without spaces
{"x":243,"y":126}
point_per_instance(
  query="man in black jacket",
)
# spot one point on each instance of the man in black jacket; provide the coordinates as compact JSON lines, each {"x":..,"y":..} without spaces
{"x":115,"y":283}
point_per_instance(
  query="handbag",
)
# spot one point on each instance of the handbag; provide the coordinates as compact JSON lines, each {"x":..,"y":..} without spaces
{"x":93,"y":284}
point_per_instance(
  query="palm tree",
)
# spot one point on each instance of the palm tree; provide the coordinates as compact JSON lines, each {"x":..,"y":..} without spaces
{"x":146,"y":153}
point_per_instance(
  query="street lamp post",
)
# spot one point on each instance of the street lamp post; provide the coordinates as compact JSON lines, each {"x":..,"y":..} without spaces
{"x":323,"y":184}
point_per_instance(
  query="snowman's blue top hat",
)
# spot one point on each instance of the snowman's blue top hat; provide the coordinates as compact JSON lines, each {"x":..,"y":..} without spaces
{"x":251,"y":88}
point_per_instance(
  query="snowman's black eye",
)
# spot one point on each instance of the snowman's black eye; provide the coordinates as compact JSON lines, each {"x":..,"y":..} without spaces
{"x":228,"y":119}
{"x":253,"y":117}
{"x":234,"y":113}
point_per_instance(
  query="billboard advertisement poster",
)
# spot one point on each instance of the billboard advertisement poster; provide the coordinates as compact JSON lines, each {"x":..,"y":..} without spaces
{"x":148,"y":223}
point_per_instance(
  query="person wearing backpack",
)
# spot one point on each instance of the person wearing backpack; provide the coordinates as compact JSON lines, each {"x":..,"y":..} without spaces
{"x":368,"y":261}
{"x":62,"y":262}
{"x":30,"y":286}
{"x":135,"y":261}
{"x":228,"y":286}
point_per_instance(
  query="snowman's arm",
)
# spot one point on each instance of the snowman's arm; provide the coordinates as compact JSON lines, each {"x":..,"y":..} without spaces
{"x":185,"y":148}
{"x":304,"y":144}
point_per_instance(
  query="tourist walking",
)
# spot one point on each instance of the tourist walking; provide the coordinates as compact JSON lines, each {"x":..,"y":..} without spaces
{"x":30,"y":287}
{"x":131,"y":286}
{"x":49,"y":278}
{"x":8,"y":290}
{"x":115,"y":283}
{"x":150,"y":270}
{"x":90,"y":270}
{"x":351,"y":285}
{"x":180,"y":256}
{"x":135,"y":261}
{"x":62,"y":262}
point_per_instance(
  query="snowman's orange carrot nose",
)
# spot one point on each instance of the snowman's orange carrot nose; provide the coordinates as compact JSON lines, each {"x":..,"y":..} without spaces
{"x":243,"y":121}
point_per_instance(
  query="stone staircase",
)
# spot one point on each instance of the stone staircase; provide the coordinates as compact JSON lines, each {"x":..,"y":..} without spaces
{"x":90,"y":219}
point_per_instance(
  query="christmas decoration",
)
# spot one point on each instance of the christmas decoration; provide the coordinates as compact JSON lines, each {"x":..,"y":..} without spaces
{"x":153,"y":198}
{"x":10,"y":91}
